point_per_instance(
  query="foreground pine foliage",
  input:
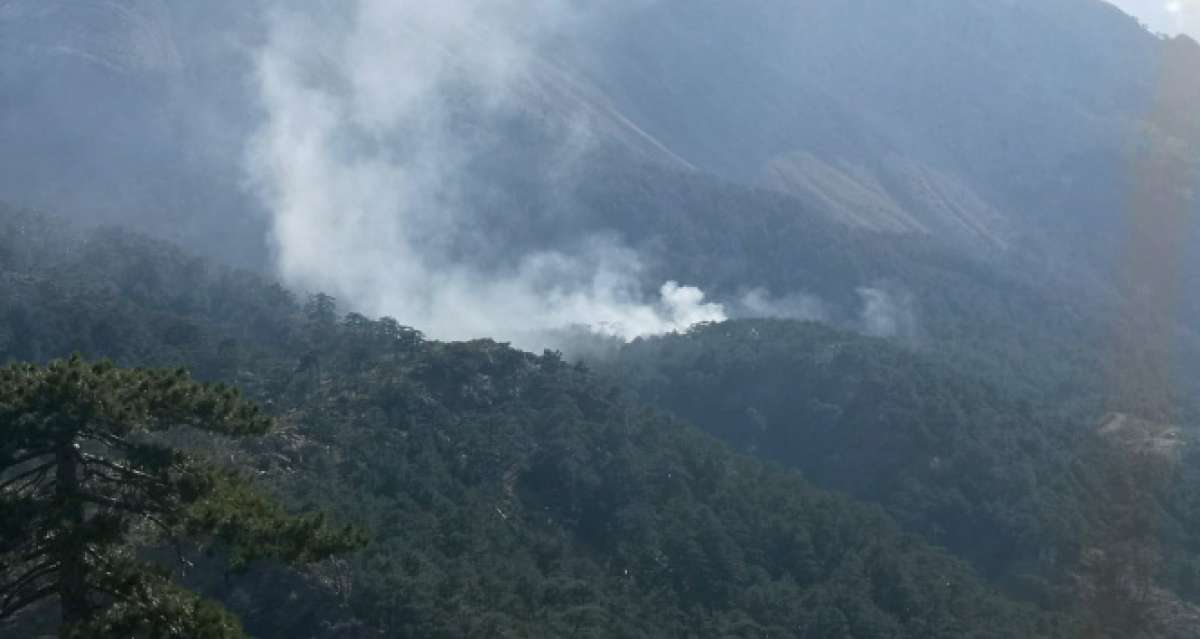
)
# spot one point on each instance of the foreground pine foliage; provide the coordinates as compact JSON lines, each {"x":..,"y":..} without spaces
{"x":85,"y":484}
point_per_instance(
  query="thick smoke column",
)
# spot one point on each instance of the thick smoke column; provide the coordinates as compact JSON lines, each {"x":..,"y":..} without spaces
{"x":363,"y":162}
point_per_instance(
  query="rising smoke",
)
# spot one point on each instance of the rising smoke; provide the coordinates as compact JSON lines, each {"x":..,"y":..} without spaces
{"x":886,"y":313}
{"x":375,"y":113}
{"x":758,"y":302}
{"x":371,"y":110}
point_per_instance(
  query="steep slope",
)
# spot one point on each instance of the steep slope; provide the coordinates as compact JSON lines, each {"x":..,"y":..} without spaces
{"x":972,"y":122}
{"x":866,"y":417}
{"x":1056,"y":140}
{"x":925,"y":116}
{"x":509,"y":494}
{"x":512,"y":495}
{"x":131,"y":112}
{"x":1026,"y":137}
{"x":1031,"y":492}
{"x":1061,"y":344}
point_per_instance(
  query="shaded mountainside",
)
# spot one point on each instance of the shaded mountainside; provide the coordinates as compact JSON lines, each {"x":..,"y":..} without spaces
{"x":1008,"y":129}
{"x":512,"y":492}
{"x":731,"y":240}
{"x":507,"y":494}
{"x":146,"y":301}
{"x":1011,"y":200}
{"x":989,"y":177}
{"x":971,"y":466}
{"x":1027,"y":490}
{"x":954,"y":119}
{"x":140,"y":106}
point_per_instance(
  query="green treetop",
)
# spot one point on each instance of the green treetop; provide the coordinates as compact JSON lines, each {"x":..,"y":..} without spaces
{"x":84,"y":482}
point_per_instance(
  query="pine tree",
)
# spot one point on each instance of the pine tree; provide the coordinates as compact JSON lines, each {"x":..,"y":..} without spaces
{"x":87,"y":484}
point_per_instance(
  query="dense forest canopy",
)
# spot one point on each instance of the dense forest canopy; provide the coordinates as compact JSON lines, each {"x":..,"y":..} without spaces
{"x":517,"y":494}
{"x":88,"y":486}
{"x":668,"y":318}
{"x":504,"y":492}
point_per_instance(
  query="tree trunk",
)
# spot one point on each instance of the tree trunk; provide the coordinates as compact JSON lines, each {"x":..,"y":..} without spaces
{"x":72,"y":572}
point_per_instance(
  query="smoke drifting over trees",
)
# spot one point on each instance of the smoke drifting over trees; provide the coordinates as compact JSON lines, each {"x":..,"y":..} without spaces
{"x":363,"y":161}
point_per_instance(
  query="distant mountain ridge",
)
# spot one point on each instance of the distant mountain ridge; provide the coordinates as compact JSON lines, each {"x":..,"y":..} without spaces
{"x":1009,"y":132}
{"x":506,"y":494}
{"x":952,"y":110}
{"x":915,"y":116}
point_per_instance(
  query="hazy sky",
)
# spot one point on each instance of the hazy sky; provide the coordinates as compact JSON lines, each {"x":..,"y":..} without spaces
{"x":1166,"y":16}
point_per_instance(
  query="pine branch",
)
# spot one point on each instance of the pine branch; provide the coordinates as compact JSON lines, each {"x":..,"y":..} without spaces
{"x":40,"y":471}
{"x":38,"y":571}
{"x":116,"y":504}
{"x":107,"y":438}
{"x":39,"y":552}
{"x":92,"y":473}
{"x":34,"y":454}
{"x":139,"y":602}
{"x":30,"y":542}
{"x":89,"y":459}
{"x":10,"y":609}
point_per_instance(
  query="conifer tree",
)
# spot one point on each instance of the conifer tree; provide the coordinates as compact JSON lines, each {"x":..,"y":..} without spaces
{"x":87,"y":484}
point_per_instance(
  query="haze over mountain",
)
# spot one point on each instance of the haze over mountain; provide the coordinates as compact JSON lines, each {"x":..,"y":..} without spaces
{"x":1165,"y":16}
{"x":378,"y":147}
{"x":876,"y":317}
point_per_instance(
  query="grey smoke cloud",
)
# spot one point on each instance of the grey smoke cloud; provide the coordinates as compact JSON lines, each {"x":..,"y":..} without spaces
{"x":885,"y":310}
{"x":374,"y":111}
{"x":363,"y":160}
{"x":886,"y":313}
{"x":758,"y":302}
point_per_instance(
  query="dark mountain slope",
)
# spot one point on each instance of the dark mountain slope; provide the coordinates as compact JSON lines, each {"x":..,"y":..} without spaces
{"x":863,"y":416}
{"x":984,"y":158}
{"x":508,"y":494}
{"x":1025,"y":489}
{"x":927,"y":116}
{"x":132,"y":112}
{"x":511,"y":494}
{"x":1056,"y":343}
{"x":973,"y":122}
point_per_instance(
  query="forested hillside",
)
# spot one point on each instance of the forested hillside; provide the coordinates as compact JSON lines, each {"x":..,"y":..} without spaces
{"x":1022,"y":132}
{"x":856,"y":318}
{"x":484,"y":473}
{"x":505,"y":493}
{"x":1022,"y":487}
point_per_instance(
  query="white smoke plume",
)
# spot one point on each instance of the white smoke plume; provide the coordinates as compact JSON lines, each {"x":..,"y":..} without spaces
{"x":886,"y":310}
{"x":759,"y":302}
{"x":886,"y":313}
{"x":362,"y":161}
